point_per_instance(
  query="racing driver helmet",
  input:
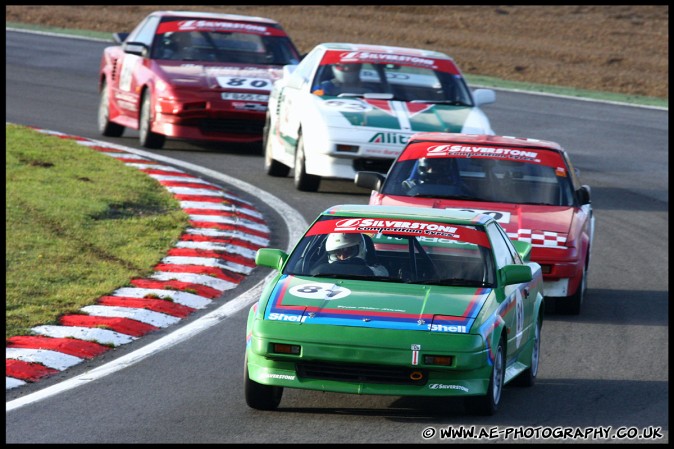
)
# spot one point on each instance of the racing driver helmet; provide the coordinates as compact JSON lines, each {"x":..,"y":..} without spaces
{"x":342,"y":247}
{"x":347,"y":73}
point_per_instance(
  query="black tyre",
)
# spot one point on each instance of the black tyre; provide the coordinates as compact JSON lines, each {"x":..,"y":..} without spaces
{"x":105,"y":126}
{"x":147,"y":138}
{"x":572,"y":304}
{"x":488,"y":404}
{"x":258,"y":396}
{"x":528,"y":377}
{"x":271,"y":166}
{"x":304,"y":181}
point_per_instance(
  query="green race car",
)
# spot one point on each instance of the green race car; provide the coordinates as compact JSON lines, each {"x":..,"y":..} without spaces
{"x":397,"y":301}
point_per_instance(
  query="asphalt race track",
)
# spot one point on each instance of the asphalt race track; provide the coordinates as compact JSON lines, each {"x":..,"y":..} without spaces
{"x":605,"y":371}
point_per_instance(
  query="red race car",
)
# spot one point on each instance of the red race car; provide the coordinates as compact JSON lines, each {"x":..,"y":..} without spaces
{"x":193,"y":76}
{"x":528,"y":185}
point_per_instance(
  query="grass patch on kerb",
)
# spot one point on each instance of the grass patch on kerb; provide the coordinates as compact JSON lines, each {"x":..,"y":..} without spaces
{"x":79,"y":225}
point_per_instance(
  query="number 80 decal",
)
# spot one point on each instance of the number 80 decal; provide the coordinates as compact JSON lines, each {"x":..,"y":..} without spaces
{"x":244,"y":83}
{"x":320,"y":291}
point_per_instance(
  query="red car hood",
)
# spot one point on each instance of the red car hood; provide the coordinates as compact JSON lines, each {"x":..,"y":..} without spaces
{"x":209,"y":75}
{"x":519,"y":220}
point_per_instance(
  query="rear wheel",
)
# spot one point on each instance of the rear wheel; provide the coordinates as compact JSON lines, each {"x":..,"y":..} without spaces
{"x":259,"y":396}
{"x":304,"y":181}
{"x":271,"y":166}
{"x":105,"y":126}
{"x":147,"y":138}
{"x":488,"y":404}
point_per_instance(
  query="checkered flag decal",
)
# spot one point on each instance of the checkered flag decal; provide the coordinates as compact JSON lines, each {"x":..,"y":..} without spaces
{"x":540,"y":238}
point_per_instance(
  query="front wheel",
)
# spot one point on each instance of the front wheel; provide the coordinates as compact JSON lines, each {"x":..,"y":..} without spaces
{"x":304,"y":181}
{"x":259,"y":396}
{"x":271,"y":166}
{"x":147,"y":138}
{"x":528,"y":377}
{"x":105,"y":126}
{"x":488,"y":404}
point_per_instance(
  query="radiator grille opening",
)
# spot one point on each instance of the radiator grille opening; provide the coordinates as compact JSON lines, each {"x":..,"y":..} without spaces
{"x":372,"y":164}
{"x":361,"y":373}
{"x":230,"y":126}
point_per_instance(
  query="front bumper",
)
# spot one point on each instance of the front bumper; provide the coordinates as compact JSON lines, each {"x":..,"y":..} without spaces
{"x":563,"y":279}
{"x":344,"y":166}
{"x":219,"y":129}
{"x":209,"y":118}
{"x":368,"y":361}
{"x":562,"y":270}
{"x":334,"y":152}
{"x":436,"y":383}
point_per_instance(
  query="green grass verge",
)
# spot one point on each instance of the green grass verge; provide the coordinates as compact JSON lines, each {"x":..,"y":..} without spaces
{"x":79,"y":224}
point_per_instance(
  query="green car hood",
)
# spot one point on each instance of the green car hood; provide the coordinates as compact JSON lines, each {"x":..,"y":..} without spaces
{"x":371,"y":304}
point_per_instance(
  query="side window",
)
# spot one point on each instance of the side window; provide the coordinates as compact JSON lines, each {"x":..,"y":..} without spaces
{"x":145,"y":32}
{"x":504,"y":252}
{"x":281,"y":50}
{"x":508,"y":243}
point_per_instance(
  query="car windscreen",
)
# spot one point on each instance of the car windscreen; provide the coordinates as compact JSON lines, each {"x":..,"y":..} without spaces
{"x":434,"y":83}
{"x":501,"y":177}
{"x":221,"y":41}
{"x":385,"y":250}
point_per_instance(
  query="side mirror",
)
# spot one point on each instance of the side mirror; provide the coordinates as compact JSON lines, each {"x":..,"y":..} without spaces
{"x":369,"y":180}
{"x":290,"y":79}
{"x":515,"y":274}
{"x":484,"y":96}
{"x":583,"y":194}
{"x":136,"y":48}
{"x":270,"y":257}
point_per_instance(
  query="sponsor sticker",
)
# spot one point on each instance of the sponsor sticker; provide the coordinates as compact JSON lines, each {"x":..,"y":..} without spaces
{"x":278,"y":376}
{"x":447,"y":387}
{"x":444,"y":328}
{"x":274,"y":316}
{"x":238,"y":96}
{"x":387,"y":137}
{"x":402,"y":227}
{"x":249,"y":106}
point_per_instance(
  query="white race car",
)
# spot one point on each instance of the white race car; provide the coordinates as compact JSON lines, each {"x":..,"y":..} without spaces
{"x":351,"y":107}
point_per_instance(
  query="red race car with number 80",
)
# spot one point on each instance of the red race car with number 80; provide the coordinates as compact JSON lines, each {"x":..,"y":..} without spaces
{"x":193,"y":76}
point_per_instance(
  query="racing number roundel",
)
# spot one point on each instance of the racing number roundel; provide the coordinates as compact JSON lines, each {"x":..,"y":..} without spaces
{"x":320,"y":291}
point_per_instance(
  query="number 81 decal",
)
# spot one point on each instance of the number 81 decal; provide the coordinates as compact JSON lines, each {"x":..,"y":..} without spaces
{"x":320,"y":291}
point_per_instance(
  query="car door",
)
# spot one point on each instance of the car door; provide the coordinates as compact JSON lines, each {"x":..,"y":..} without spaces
{"x":126,"y":88}
{"x":292,"y":96}
{"x":518,"y":305}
